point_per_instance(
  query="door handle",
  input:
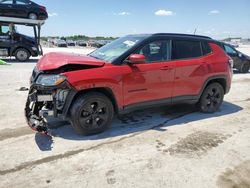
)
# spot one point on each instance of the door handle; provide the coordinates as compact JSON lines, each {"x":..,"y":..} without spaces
{"x":166,"y":68}
{"x":10,"y":6}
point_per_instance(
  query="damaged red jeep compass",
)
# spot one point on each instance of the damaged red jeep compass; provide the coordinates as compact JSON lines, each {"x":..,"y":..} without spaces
{"x":135,"y":71}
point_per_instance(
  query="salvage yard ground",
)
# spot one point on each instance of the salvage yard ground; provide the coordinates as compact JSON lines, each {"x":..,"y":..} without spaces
{"x":162,"y":147}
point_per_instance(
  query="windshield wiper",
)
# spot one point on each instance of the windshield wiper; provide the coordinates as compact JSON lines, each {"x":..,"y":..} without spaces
{"x":95,"y":57}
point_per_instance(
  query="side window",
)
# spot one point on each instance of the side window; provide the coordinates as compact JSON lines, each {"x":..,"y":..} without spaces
{"x":186,"y":49}
{"x":156,"y":51}
{"x":4,"y":30}
{"x":22,"y":2}
{"x":206,"y":49}
{"x":229,"y":50}
{"x":6,"y":1}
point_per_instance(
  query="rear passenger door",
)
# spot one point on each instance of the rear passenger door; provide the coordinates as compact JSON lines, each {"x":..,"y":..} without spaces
{"x":21,"y":8}
{"x":191,"y":66}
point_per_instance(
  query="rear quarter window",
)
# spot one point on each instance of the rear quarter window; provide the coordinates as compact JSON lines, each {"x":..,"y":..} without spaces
{"x":186,"y":49}
{"x":206,"y":49}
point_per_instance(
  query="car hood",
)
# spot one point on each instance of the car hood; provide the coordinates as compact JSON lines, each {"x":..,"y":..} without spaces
{"x":53,"y":61}
{"x":243,"y":55}
{"x":246,"y":56}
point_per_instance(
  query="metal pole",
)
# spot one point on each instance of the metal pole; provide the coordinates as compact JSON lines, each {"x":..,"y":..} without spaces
{"x":39,"y":34}
{"x":35,"y":33}
{"x":39,"y":39}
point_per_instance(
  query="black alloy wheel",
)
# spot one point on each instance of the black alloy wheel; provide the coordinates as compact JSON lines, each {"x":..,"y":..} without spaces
{"x":91,"y":113}
{"x":211,"y":98}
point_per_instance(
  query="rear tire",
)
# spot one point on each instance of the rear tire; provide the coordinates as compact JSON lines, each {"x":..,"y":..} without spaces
{"x":211,"y":98}
{"x":22,"y":54}
{"x":91,"y":113}
{"x":32,"y":16}
{"x":245,"y":67}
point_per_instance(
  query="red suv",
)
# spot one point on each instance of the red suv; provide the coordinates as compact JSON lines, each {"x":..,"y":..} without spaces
{"x":135,"y":71}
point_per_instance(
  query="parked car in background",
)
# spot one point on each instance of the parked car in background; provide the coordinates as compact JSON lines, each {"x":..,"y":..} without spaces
{"x":94,"y":44}
{"x":100,"y":43}
{"x":23,"y":9}
{"x":60,"y":43}
{"x":131,"y":73}
{"x":70,"y":43}
{"x":241,"y":61}
{"x":81,"y":43}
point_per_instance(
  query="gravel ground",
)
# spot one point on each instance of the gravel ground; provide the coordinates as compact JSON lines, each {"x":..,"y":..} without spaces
{"x":162,"y":147}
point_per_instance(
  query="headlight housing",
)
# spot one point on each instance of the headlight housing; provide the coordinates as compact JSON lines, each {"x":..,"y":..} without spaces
{"x":50,"y":79}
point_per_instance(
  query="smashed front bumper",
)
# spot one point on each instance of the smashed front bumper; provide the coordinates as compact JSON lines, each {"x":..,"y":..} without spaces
{"x":44,"y":102}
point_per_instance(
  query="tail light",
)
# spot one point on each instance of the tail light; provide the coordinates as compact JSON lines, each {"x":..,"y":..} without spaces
{"x":43,"y":8}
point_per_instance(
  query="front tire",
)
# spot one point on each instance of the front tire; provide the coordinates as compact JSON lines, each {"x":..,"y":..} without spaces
{"x":22,"y":54}
{"x":91,"y":113}
{"x":211,"y":98}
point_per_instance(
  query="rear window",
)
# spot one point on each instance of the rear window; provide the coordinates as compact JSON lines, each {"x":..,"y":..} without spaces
{"x":6,"y":1}
{"x":186,"y":49}
{"x":206,"y":49}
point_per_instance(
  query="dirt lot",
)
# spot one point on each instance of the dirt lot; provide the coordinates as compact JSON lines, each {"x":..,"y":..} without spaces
{"x":163,"y":147}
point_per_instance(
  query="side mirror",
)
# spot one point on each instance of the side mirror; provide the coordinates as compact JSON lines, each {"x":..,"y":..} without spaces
{"x":136,"y":59}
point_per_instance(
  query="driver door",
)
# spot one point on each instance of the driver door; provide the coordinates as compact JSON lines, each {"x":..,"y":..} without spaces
{"x":5,"y":39}
{"x":151,"y":80}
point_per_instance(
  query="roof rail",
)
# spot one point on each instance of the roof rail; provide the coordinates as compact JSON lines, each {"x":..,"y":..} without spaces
{"x":185,"y":35}
{"x":21,"y":21}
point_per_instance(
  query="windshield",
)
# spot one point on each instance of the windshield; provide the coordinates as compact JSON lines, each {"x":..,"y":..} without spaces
{"x":116,"y":48}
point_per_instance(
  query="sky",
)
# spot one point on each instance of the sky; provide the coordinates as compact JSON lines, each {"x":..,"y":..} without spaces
{"x":215,"y":18}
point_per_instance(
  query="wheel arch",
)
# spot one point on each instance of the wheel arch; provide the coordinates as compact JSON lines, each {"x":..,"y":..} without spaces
{"x":219,"y":79}
{"x":104,"y":90}
{"x":13,"y":50}
{"x":32,"y":12}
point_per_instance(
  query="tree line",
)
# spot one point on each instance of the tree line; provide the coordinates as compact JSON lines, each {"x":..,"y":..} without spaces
{"x":81,"y":37}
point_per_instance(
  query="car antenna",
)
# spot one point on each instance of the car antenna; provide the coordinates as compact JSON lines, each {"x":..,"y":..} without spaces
{"x":195,"y":31}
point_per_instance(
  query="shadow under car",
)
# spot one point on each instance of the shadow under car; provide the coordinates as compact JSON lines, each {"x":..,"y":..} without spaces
{"x":139,"y":121}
